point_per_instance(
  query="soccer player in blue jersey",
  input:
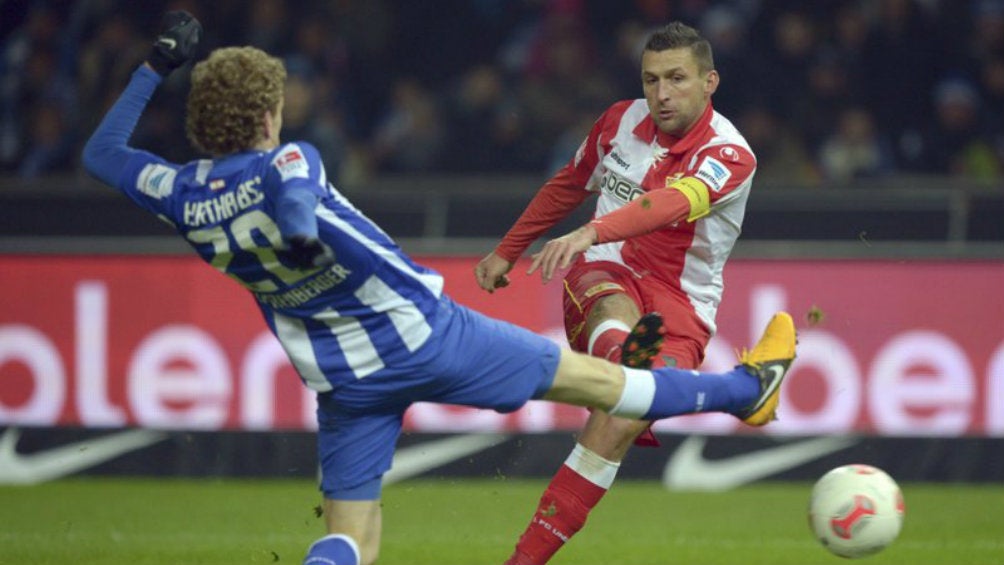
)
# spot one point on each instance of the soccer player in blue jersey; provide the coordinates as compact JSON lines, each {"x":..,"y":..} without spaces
{"x":365,"y":327}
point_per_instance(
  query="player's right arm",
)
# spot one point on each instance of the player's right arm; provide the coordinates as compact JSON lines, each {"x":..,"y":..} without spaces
{"x":555,"y":200}
{"x":294,"y":183}
{"x":559,"y":196}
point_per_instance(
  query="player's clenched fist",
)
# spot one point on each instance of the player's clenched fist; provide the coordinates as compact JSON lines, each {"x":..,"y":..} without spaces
{"x":308,"y":252}
{"x":176,"y":43}
{"x":491,"y":271}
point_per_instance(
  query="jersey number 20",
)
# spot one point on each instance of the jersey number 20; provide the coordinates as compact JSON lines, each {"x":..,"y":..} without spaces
{"x":242,"y":230}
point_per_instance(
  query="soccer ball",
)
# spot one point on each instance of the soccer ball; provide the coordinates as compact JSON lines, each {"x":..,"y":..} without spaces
{"x":856,"y":510}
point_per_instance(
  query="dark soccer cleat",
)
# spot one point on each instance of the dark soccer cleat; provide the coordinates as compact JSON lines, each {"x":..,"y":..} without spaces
{"x":644,"y":341}
{"x":769,"y":361}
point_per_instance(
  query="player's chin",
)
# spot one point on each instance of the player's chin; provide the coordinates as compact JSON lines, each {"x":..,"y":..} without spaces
{"x":668,"y":125}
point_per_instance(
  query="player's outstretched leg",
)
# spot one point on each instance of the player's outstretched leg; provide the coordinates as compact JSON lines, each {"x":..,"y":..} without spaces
{"x":769,"y":361}
{"x":750,"y":391}
{"x":584,"y":477}
{"x":333,"y":549}
{"x":638,"y":352}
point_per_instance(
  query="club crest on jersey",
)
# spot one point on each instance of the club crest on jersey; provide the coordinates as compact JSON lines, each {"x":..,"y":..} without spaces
{"x":217,"y":184}
{"x":156,"y":180}
{"x":714,"y":173}
{"x":291,"y":163}
{"x":729,"y":153}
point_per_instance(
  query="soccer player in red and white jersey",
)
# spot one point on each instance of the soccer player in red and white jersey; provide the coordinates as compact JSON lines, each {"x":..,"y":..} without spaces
{"x":672,"y":177}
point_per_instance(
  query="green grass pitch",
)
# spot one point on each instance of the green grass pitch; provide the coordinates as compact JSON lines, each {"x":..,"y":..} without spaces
{"x":106,"y":521}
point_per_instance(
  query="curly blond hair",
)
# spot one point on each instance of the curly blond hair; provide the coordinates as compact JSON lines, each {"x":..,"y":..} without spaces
{"x":231,"y":92}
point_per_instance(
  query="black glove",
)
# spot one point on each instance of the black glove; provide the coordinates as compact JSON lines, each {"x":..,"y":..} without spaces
{"x":308,"y":252}
{"x":176,"y":45}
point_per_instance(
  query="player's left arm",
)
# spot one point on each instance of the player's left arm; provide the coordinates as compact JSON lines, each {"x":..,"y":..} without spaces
{"x":295,"y":184}
{"x":143,"y":176}
{"x":720,"y":171}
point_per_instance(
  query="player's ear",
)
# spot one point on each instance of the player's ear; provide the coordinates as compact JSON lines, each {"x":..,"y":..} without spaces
{"x":269,"y":125}
{"x":711,"y":82}
{"x":272,"y":121}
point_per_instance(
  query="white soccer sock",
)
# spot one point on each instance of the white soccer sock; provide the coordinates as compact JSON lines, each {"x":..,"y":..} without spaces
{"x":639,"y":392}
{"x":605,"y":326}
{"x":587,"y":463}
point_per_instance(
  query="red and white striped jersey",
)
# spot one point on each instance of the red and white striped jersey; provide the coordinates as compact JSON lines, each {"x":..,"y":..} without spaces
{"x":625,"y":155}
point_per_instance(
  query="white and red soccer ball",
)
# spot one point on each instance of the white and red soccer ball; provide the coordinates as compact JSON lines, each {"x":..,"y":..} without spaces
{"x":856,"y":510}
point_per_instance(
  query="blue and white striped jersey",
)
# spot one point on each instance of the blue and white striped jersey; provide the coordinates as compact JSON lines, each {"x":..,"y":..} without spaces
{"x":372,"y":309}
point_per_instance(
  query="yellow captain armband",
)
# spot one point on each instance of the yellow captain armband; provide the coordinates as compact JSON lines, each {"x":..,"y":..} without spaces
{"x":696,"y":193}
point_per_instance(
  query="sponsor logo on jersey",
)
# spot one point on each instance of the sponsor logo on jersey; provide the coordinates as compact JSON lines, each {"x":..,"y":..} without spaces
{"x":616,"y":158}
{"x":620,"y":188}
{"x":291,"y":163}
{"x":729,"y":153}
{"x":714,"y":173}
{"x":156,"y":180}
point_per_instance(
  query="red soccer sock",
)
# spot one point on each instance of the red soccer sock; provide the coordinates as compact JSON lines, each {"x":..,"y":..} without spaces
{"x":562,"y":512}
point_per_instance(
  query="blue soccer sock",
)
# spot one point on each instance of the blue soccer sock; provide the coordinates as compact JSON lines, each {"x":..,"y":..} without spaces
{"x":334,"y":549}
{"x":666,"y":392}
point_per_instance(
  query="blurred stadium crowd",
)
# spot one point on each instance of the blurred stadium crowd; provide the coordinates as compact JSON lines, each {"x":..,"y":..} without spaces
{"x":826,"y":92}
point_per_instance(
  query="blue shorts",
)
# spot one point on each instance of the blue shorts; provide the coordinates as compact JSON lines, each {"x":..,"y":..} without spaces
{"x":470,"y":360}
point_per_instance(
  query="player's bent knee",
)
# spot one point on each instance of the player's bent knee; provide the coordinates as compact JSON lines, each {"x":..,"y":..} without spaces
{"x":617,"y":306}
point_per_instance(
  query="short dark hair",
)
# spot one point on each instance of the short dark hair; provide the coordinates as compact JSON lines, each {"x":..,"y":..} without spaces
{"x":677,"y":35}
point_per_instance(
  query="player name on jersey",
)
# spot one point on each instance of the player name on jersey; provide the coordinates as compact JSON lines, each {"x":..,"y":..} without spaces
{"x":224,"y":206}
{"x":303,"y":293}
